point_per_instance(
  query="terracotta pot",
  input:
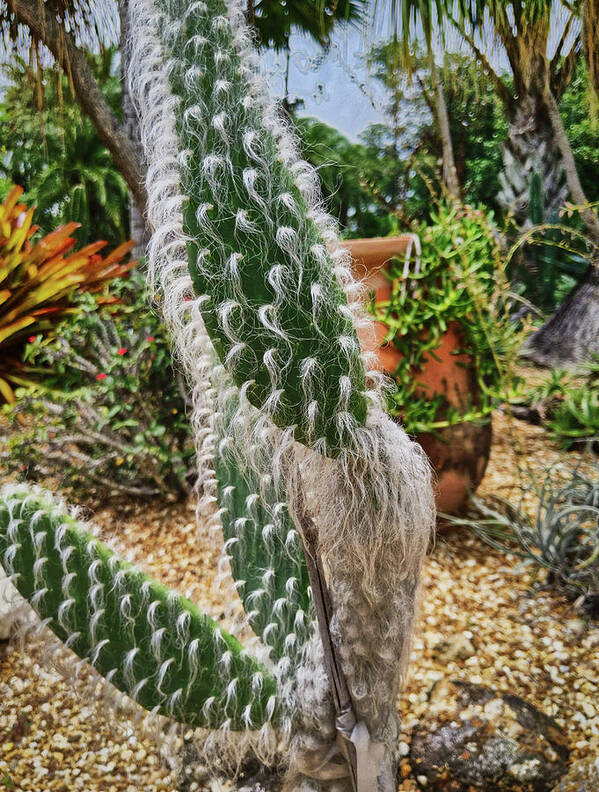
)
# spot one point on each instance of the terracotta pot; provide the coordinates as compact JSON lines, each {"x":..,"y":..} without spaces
{"x":459,"y":453}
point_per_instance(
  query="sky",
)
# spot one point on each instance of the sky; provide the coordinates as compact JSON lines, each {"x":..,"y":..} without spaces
{"x":333,"y":85}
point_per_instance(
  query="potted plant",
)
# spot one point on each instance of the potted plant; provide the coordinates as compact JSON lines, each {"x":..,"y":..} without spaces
{"x":443,"y":333}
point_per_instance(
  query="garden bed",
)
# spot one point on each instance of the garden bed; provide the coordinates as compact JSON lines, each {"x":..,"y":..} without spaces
{"x":536,"y":645}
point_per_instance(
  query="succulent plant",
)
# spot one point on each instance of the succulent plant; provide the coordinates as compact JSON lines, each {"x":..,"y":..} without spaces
{"x":563,"y":536}
{"x":293,"y":447}
{"x":272,"y":307}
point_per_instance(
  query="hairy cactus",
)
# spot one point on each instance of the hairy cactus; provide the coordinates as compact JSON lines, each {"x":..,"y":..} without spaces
{"x":143,"y":638}
{"x":273,"y":307}
{"x":293,"y":447}
{"x":266,"y":559}
{"x":242,"y":255}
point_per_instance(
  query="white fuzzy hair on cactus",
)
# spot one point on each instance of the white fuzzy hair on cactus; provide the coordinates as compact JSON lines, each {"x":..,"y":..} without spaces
{"x":370,"y":497}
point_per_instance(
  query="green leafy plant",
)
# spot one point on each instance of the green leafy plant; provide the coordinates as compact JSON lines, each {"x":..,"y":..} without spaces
{"x":346,"y":171}
{"x":575,"y":420}
{"x":39,"y":279}
{"x":459,"y":277}
{"x":109,"y":412}
{"x":51,"y":149}
{"x":567,"y":405}
{"x":550,"y":259}
{"x":563,"y":537}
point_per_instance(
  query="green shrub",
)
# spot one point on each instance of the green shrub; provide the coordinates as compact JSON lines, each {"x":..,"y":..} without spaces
{"x":576,"y":418}
{"x":51,"y":148}
{"x":567,"y":405}
{"x":548,"y":260}
{"x":39,"y":279}
{"x":110,"y":413}
{"x":459,"y":277}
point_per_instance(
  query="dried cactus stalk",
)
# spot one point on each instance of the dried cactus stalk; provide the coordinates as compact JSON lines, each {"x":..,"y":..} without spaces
{"x":142,"y":637}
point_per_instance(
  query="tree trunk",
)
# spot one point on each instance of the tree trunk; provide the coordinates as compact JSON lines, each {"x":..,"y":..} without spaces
{"x":286,"y":104}
{"x":531,"y":148}
{"x":45,"y":28}
{"x":588,"y":216}
{"x":450,"y":174}
{"x":138,"y":228}
{"x":570,"y":338}
{"x":590,"y":26}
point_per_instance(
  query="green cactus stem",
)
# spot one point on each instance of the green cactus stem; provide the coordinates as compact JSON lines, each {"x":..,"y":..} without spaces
{"x":266,"y":557}
{"x":144,"y":638}
{"x":274,"y":308}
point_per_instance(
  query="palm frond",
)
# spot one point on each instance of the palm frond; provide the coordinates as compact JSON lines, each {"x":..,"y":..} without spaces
{"x":94,"y":24}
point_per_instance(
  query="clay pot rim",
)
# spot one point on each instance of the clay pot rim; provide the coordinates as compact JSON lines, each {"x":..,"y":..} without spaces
{"x":395,"y":246}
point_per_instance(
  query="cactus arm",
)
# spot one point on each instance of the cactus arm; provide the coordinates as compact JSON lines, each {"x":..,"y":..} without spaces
{"x":266,"y":554}
{"x":147,"y":641}
{"x":275,"y":312}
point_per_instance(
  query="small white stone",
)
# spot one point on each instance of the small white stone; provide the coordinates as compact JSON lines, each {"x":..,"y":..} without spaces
{"x":588,"y":709}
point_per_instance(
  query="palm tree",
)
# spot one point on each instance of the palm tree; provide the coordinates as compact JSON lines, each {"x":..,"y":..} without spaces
{"x":537,"y":140}
{"x":407,"y":16}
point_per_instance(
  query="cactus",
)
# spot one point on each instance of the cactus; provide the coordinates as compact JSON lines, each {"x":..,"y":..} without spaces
{"x":266,"y":558}
{"x":292,"y":444}
{"x":272,"y":304}
{"x":143,"y":638}
{"x":238,"y":232}
{"x":274,"y":309}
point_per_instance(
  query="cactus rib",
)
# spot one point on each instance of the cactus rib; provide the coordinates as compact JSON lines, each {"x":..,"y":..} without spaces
{"x":266,"y":556}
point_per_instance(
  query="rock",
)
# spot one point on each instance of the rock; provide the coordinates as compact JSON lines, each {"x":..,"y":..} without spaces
{"x":456,"y":647}
{"x":576,"y":626}
{"x":7,"y":606}
{"x":583,"y":776}
{"x":474,"y":739}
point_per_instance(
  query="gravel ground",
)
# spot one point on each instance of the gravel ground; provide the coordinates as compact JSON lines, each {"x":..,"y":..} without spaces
{"x":477,"y":605}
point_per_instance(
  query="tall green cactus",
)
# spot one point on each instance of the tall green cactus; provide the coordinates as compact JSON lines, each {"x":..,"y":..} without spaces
{"x":143,"y":638}
{"x":274,"y":308}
